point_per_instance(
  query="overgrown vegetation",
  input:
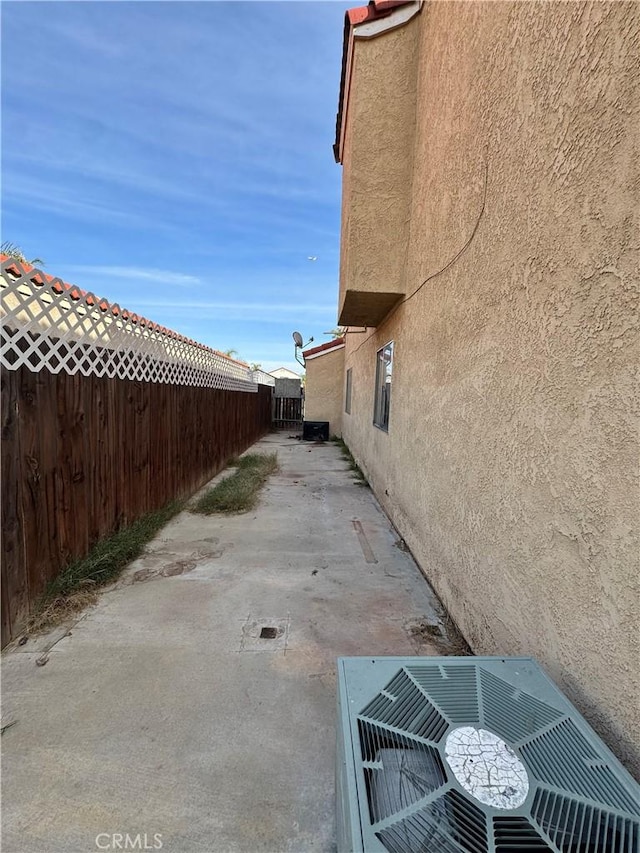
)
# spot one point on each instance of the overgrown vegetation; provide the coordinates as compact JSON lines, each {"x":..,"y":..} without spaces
{"x":78,"y":584}
{"x":359,"y":477}
{"x":239,"y":492}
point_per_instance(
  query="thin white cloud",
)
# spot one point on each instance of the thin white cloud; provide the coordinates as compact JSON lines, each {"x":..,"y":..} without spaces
{"x":266,"y":308}
{"x":139,"y":274}
{"x":43,"y":196}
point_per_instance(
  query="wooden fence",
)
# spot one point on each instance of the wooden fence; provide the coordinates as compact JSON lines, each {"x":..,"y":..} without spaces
{"x":82,"y":456}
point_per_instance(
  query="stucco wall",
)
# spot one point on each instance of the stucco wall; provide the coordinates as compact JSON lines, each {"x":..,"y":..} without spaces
{"x":512,"y":459}
{"x":375,"y":208}
{"x":324,"y":399}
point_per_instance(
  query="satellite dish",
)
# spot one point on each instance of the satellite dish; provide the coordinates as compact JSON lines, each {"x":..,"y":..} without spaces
{"x":297,"y":339}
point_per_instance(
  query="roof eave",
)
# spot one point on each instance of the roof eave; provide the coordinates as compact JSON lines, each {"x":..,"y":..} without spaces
{"x":323,"y":349}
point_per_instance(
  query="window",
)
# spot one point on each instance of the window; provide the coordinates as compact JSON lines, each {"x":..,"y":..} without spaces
{"x":384,"y":364}
{"x":347,"y":393}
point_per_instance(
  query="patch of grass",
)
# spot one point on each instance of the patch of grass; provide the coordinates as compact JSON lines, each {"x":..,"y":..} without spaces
{"x":78,"y":584}
{"x":359,"y":477}
{"x":239,"y":492}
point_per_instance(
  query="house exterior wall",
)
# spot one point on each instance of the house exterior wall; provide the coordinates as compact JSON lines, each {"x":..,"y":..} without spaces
{"x":512,"y":458}
{"x":324,"y":396}
{"x":375,"y":206}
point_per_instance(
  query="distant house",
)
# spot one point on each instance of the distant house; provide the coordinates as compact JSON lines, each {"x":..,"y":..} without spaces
{"x":323,"y":390}
{"x":489,"y":278}
{"x":284,"y":373}
{"x":263,"y":378}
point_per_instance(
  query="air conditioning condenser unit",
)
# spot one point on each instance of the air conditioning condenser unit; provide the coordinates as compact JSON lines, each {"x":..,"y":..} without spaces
{"x":473,"y":755}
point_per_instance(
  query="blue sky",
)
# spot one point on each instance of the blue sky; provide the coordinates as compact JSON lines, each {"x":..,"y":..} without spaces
{"x":175,"y":157}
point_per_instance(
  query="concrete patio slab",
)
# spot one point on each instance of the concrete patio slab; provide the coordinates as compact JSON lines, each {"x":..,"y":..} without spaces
{"x":169,"y":715}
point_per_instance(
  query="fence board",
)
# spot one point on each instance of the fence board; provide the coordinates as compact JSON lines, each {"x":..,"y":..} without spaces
{"x":82,"y":455}
{"x":47,"y":448}
{"x":76,"y":461}
{"x":64,"y":517}
{"x":15,"y":595}
{"x":100,"y":450}
{"x":33,"y":511}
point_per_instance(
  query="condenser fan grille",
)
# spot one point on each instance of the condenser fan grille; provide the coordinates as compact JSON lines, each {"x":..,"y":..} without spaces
{"x":403,"y":705}
{"x":563,"y":758}
{"x":398,"y":770}
{"x":516,"y":833}
{"x":577,"y":827}
{"x":456,"y":694}
{"x":456,"y":756}
{"x":450,"y":823}
{"x":514,"y":714}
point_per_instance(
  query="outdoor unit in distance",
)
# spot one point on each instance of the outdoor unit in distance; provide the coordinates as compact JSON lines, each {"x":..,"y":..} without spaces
{"x":315,"y":431}
{"x":473,"y":755}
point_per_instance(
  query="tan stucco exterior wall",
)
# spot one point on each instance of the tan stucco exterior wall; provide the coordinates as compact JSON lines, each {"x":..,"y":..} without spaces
{"x":376,"y":207}
{"x":512,"y":458}
{"x":324,"y":399}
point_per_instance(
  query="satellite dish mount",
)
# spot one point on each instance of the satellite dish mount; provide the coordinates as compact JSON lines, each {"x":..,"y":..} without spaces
{"x":297,"y":340}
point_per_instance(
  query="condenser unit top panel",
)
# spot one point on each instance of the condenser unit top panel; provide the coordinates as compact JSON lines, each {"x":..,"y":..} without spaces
{"x":474,"y":754}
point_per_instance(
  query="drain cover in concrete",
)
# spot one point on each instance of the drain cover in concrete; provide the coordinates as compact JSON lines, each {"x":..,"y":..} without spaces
{"x":265,"y":634}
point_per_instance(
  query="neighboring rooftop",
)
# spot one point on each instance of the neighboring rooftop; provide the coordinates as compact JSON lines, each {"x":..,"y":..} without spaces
{"x":323,"y":349}
{"x":284,"y":373}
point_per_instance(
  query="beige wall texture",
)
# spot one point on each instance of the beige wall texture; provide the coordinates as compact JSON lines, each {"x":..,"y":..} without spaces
{"x":324,"y":391}
{"x":376,"y":206}
{"x":512,"y":458}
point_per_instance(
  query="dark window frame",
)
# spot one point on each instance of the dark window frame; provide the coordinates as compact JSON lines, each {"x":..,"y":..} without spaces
{"x":348,"y":390}
{"x":382,"y":395}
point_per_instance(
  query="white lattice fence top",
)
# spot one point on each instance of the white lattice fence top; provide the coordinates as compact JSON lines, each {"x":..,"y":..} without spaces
{"x":50,"y":325}
{"x":263,"y":378}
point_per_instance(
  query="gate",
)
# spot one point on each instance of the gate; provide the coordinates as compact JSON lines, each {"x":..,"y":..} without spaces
{"x":288,"y":404}
{"x":287,"y":413}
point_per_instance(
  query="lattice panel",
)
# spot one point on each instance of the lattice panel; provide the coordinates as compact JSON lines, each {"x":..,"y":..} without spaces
{"x":263,"y":378}
{"x":50,"y":325}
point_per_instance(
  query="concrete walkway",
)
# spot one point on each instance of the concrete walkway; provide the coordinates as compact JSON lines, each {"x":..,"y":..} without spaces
{"x":165,"y":712}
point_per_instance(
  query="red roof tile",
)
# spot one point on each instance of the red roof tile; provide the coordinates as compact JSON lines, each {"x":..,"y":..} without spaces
{"x":375,"y":9}
{"x":323,"y":347}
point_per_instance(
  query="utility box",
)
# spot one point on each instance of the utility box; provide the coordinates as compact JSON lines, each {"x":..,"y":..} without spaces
{"x":291,"y":388}
{"x":315,"y":430}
